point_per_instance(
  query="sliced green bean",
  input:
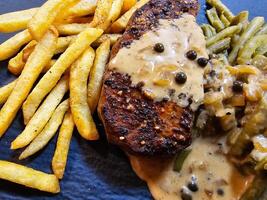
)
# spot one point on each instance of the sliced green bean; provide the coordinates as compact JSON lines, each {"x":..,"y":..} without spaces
{"x":246,"y":52}
{"x":225,"y":21}
{"x":255,"y":123}
{"x":263,"y":30}
{"x":240,"y":18}
{"x":260,"y":62}
{"x":228,"y":32}
{"x":208,"y":30}
{"x":221,"y":8}
{"x":220,"y":46}
{"x":253,"y":27}
{"x":214,"y":19}
{"x":223,"y":58}
{"x":262,"y":50}
{"x":179,"y":160}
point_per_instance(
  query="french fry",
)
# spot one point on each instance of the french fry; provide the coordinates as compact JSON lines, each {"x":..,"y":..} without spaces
{"x":10,"y":47}
{"x":102,"y":12}
{"x":49,"y":65}
{"x":6,"y":90}
{"x":82,"y":8}
{"x":96,"y":74}
{"x":16,"y":64}
{"x":63,"y":142}
{"x":42,"y":115}
{"x":29,"y":177}
{"x":38,"y":59}
{"x":81,"y":113}
{"x":50,"y":79}
{"x":15,"y":21}
{"x":72,"y":29}
{"x":112,"y":37}
{"x":48,"y":132}
{"x":45,"y":16}
{"x":127,"y":5}
{"x":119,"y":25}
{"x":113,"y":15}
{"x":63,"y":43}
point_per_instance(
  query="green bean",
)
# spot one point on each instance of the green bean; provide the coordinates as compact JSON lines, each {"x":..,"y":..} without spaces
{"x":179,"y":160}
{"x":220,"y":46}
{"x":262,"y":50}
{"x":256,"y":188}
{"x":263,"y":30}
{"x":240,"y":18}
{"x":246,"y":52}
{"x":214,"y":19}
{"x":234,"y":40}
{"x":208,"y":30}
{"x":221,"y":8}
{"x":255,"y":123}
{"x":225,"y":21}
{"x":250,"y":31}
{"x":228,"y":32}
{"x":260,"y":62}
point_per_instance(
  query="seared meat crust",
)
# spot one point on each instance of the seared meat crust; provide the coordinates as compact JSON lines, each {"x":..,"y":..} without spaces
{"x":134,"y":122}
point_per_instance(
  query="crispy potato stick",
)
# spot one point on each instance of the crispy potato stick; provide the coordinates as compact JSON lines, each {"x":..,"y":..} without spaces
{"x":48,"y":132}
{"x":127,"y":5}
{"x":63,"y":143}
{"x":253,"y":27}
{"x":96,"y":74}
{"x":119,"y":25}
{"x":11,"y":46}
{"x":72,"y":29}
{"x":50,"y":79}
{"x":245,"y":54}
{"x":6,"y":90}
{"x":63,"y":43}
{"x":228,"y":32}
{"x":112,"y":37}
{"x":82,"y":8}
{"x":102,"y":12}
{"x":38,"y":59}
{"x":81,"y":113}
{"x":45,"y":16}
{"x":49,"y":65}
{"x":113,"y":14}
{"x":29,"y":177}
{"x":16,"y":64}
{"x":221,"y":8}
{"x":42,"y":115}
{"x":15,"y":21}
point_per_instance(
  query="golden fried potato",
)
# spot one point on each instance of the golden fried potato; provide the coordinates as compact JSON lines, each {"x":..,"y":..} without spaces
{"x":50,"y":79}
{"x":6,"y":90}
{"x":63,"y":143}
{"x":48,"y":132}
{"x":29,"y":177}
{"x":11,"y":46}
{"x":96,"y":74}
{"x":127,"y":5}
{"x":41,"y":55}
{"x":81,"y":113}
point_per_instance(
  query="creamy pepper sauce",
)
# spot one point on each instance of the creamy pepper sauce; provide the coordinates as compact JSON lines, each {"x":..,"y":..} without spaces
{"x":157,"y":70}
{"x":206,"y":164}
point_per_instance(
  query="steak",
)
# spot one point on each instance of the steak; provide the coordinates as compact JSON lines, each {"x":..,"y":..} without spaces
{"x":133,"y":121}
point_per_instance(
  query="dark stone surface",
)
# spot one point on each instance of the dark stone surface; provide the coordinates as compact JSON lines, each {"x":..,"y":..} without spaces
{"x":95,"y":170}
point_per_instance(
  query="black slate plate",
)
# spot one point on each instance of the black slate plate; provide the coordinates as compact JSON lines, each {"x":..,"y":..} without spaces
{"x":95,"y":170}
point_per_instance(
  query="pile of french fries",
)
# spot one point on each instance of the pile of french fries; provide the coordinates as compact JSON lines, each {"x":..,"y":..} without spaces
{"x":58,"y":57}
